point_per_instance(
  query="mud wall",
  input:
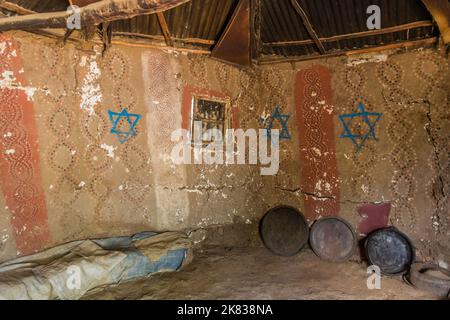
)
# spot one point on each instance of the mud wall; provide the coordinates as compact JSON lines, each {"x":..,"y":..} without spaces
{"x":373,"y":139}
{"x":70,"y":172}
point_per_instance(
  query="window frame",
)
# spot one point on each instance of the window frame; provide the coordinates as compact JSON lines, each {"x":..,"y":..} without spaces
{"x":227,"y":114}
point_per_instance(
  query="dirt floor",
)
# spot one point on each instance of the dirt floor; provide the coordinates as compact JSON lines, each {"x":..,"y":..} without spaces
{"x":254,"y":273}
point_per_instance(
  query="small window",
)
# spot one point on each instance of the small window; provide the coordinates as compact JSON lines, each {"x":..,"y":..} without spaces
{"x":212,"y":113}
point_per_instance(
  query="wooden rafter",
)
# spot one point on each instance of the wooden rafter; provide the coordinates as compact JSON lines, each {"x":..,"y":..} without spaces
{"x":82,"y":3}
{"x":308,"y":26}
{"x":393,"y":46}
{"x":161,"y":38}
{"x":403,"y":27}
{"x":164,"y":28}
{"x":14,"y":8}
{"x":93,"y":14}
{"x":256,"y":28}
{"x":67,"y":35}
{"x":139,"y":44}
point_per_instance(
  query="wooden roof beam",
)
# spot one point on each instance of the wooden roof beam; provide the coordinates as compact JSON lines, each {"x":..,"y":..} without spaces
{"x":308,"y":26}
{"x":92,"y":14}
{"x":362,"y":34}
{"x":394,"y":46}
{"x":14,"y":8}
{"x":164,"y":28}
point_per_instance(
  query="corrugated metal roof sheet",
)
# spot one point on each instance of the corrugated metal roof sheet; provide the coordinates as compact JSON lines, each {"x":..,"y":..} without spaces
{"x":280,"y":23}
{"x":200,"y":23}
{"x":202,"y":19}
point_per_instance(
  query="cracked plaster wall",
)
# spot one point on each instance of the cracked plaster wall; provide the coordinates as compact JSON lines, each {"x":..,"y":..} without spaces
{"x":407,"y":167}
{"x":95,"y":186}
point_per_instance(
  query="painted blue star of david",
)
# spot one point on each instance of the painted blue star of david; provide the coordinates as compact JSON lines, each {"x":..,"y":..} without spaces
{"x":283,"y":119}
{"x":132,"y":120}
{"x":369,"y":118}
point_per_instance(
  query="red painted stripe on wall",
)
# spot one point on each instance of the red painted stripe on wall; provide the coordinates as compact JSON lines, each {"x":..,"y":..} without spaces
{"x":20,"y":181}
{"x":319,"y":173}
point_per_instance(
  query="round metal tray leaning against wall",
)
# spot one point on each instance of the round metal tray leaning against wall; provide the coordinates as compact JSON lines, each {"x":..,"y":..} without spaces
{"x":285,"y":232}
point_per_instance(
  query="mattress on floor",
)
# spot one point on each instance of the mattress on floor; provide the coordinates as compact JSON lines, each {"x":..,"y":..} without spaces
{"x":71,"y":270}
